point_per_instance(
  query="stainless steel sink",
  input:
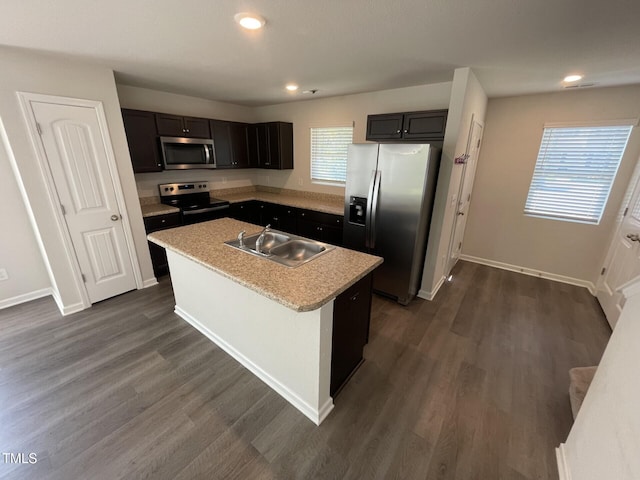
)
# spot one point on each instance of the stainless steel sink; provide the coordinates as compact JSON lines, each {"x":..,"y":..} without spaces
{"x":283,"y":248}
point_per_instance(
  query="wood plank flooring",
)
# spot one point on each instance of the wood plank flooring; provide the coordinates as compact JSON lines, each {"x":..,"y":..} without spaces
{"x":470,"y":386}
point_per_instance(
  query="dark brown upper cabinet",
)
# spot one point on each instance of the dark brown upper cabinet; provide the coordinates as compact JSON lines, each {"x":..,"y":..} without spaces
{"x":178,"y":126}
{"x":142,"y":137}
{"x":426,"y":125}
{"x":271,"y":145}
{"x":230,"y":144}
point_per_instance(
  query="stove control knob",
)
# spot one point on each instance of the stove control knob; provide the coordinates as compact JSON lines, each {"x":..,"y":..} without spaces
{"x":171,"y":188}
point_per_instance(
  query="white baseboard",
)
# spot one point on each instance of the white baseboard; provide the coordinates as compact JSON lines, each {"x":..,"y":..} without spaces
{"x":67,"y":309}
{"x":25,"y":297}
{"x":563,"y":468}
{"x":532,"y":272}
{"x":315,"y":415}
{"x":431,"y":295}
{"x":149,"y":282}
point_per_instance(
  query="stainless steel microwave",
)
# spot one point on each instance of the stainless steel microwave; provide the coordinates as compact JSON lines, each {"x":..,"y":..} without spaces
{"x":185,"y":153}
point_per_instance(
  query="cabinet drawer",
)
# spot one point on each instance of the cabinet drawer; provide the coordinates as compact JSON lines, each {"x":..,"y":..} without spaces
{"x":160,"y":222}
{"x":320,"y":217}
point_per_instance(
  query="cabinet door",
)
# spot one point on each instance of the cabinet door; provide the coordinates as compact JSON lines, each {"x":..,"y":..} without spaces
{"x":428,"y":125}
{"x":244,"y":211}
{"x":170,"y":125}
{"x":351,"y":315}
{"x":384,"y":127}
{"x":332,"y":234}
{"x":142,"y":138}
{"x":284,"y":159}
{"x":159,"y":254}
{"x":264,"y":158}
{"x":196,"y":127}
{"x":221,"y":133}
{"x":289,"y":219}
{"x":252,"y":146}
{"x":239,"y":150}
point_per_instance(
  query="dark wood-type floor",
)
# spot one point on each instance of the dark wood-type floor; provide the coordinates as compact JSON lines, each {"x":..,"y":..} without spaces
{"x":470,"y":386}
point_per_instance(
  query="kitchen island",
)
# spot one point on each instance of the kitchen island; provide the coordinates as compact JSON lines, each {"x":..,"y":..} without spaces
{"x":276,"y":321}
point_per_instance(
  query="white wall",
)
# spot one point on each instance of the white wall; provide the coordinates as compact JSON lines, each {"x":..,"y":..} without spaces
{"x":20,"y":255}
{"x":340,"y":110}
{"x":605,"y":439}
{"x":27,"y":72}
{"x":497,"y":229}
{"x":468,"y":101}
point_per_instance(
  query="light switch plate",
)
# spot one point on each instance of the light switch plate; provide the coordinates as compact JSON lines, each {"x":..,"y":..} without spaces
{"x":3,"y":274}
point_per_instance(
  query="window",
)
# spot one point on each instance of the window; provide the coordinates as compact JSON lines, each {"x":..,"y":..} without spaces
{"x":329,"y":153}
{"x":574,"y":172}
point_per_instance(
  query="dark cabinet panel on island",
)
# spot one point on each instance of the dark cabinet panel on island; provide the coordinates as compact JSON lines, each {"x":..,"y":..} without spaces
{"x":159,"y":254}
{"x":178,"y":126}
{"x":428,"y":125}
{"x":142,"y":138}
{"x":351,"y":318}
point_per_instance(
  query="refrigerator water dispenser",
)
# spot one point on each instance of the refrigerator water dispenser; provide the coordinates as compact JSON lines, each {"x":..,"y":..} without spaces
{"x":357,"y":210}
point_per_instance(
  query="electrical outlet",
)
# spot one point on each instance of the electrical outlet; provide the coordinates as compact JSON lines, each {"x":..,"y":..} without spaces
{"x":224,"y":179}
{"x":266,"y":179}
{"x":3,"y":274}
{"x":300,"y":182}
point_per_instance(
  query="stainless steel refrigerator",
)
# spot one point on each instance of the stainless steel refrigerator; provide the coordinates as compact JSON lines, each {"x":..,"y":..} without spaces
{"x":388,"y":203}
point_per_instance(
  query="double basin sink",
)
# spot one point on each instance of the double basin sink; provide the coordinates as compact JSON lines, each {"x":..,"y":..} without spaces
{"x":283,"y":248}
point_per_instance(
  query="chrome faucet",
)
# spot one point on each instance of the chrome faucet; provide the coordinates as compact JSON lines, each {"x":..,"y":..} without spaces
{"x":261,"y":238}
{"x":241,"y":239}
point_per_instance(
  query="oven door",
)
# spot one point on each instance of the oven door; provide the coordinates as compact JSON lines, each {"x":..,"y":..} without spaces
{"x":204,"y":214}
{"x":187,"y":153}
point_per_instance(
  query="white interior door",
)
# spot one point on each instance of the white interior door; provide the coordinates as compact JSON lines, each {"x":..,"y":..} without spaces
{"x":464,"y":194}
{"x":623,"y":260}
{"x":77,"y":157}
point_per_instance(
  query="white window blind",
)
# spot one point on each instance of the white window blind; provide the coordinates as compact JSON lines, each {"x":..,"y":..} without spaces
{"x":329,"y":153}
{"x":574,"y":172}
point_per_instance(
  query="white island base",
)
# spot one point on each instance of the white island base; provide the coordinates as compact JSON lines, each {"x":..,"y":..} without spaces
{"x":290,"y":351}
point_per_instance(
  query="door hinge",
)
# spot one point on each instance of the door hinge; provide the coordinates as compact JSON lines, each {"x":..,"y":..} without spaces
{"x":84,"y":279}
{"x":468,"y":197}
{"x":39,"y":128}
{"x":64,"y":210}
{"x":603,"y":270}
{"x":625,"y":212}
{"x":459,"y":245}
{"x":478,"y":145}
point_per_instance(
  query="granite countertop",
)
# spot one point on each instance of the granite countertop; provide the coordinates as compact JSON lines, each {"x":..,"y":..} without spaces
{"x":327,"y":205}
{"x":154,"y":209}
{"x":302,"y":289}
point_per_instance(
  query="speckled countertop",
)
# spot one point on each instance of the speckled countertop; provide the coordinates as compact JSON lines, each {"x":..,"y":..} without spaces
{"x":325,"y":204}
{"x":302,"y":289}
{"x":155,"y":209}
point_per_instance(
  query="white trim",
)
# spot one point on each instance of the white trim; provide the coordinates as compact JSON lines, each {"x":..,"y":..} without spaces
{"x":563,"y":468}
{"x":25,"y":100}
{"x":25,"y":297}
{"x":150,"y":282}
{"x":630,"y":288}
{"x":350,"y":123}
{"x":425,"y":294}
{"x":595,"y":123}
{"x":532,"y":272}
{"x":68,"y":309}
{"x":315,"y":415}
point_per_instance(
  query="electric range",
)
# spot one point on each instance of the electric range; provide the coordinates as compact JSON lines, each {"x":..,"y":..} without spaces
{"x":193,"y":200}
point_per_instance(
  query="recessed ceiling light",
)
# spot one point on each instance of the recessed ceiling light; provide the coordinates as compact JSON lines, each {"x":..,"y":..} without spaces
{"x":249,"y":21}
{"x":572,"y":78}
{"x":292,"y":87}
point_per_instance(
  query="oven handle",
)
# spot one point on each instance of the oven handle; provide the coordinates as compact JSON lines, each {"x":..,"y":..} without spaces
{"x":205,"y":210}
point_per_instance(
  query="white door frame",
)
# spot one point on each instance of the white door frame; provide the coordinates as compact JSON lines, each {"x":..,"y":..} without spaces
{"x":25,"y":99}
{"x":448,"y":265}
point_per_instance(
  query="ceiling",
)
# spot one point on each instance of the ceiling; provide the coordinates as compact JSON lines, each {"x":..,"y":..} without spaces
{"x":339,"y":47}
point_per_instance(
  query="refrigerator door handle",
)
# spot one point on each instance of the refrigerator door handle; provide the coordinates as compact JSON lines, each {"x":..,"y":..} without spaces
{"x":367,"y":233}
{"x":374,"y":210}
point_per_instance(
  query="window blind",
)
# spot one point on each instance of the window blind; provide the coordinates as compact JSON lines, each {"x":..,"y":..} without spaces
{"x":329,"y":153}
{"x":574,"y":172}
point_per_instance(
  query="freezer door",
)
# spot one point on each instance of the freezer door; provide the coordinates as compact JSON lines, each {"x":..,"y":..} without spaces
{"x":403,"y":212}
{"x":361,"y":167}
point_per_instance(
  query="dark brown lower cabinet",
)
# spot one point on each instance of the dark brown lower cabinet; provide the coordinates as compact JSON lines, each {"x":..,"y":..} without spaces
{"x":159,"y":254}
{"x":351,"y":315}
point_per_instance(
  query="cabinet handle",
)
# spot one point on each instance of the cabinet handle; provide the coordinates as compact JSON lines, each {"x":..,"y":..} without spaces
{"x":187,"y":130}
{"x":354,"y":298}
{"x":163,"y":221}
{"x":184,"y":131}
{"x":397,"y":131}
{"x":406,"y":131}
{"x":275,"y":219}
{"x":302,"y":215}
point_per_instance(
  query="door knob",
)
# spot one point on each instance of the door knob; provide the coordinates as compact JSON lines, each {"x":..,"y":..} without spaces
{"x":115,"y":218}
{"x":634,"y":237}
